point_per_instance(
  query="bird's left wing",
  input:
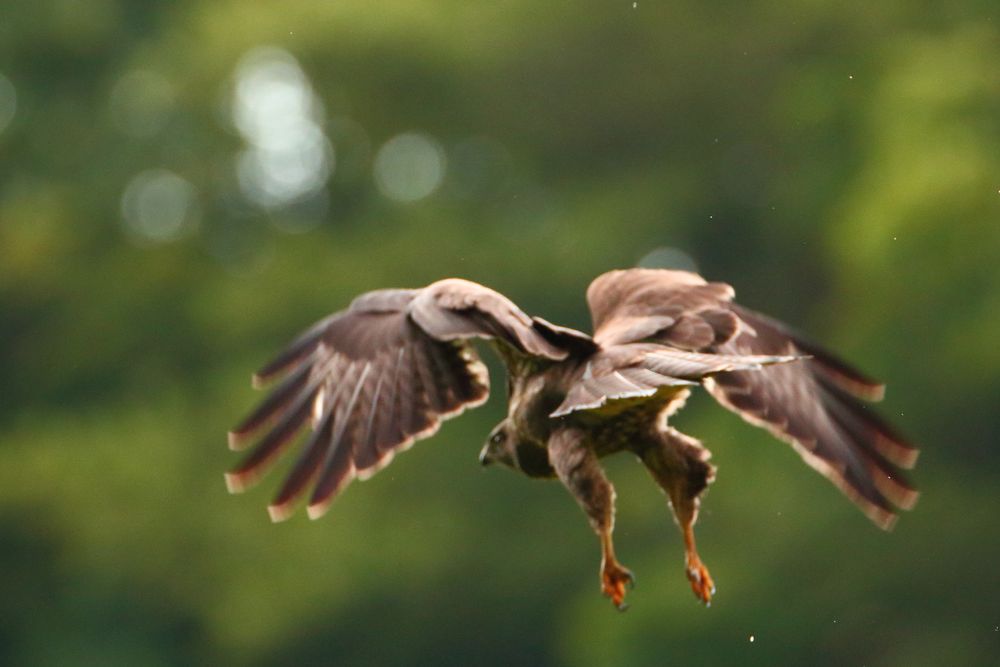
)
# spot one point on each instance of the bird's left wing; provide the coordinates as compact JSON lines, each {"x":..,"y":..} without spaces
{"x":372,"y":379}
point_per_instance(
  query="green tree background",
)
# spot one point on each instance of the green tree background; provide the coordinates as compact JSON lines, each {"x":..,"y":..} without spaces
{"x":186,"y":185}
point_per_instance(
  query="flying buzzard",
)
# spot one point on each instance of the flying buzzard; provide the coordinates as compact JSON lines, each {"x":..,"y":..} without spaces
{"x":371,"y":380}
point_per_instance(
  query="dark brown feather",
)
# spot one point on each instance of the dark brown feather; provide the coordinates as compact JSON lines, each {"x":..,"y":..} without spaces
{"x":270,"y":407}
{"x":839,"y":371}
{"x":373,"y":379}
{"x":578,"y":343}
{"x":338,"y":467}
{"x":295,"y":353}
{"x":810,"y":407}
{"x":272,"y":444}
{"x":305,"y":470}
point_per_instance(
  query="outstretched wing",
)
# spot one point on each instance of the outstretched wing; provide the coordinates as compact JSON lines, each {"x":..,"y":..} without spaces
{"x":373,"y":379}
{"x":815,"y":407}
{"x":815,"y":404}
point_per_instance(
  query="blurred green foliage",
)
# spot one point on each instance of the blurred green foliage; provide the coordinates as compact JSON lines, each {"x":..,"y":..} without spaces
{"x":838,"y":162}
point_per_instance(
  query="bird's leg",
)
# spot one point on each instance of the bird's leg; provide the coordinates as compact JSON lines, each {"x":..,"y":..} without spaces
{"x":679,"y":464}
{"x":577,"y":466}
{"x":614,"y":576}
{"x":697,"y":573}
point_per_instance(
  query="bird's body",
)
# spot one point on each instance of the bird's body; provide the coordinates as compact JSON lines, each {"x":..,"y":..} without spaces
{"x":534,"y":396}
{"x":374,"y":378}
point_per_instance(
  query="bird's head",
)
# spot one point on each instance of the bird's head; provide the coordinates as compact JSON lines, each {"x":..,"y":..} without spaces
{"x":499,"y":447}
{"x":504,"y":446}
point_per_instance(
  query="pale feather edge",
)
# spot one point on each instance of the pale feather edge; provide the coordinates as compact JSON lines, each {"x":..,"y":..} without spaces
{"x":884,"y":519}
{"x":480,"y":375}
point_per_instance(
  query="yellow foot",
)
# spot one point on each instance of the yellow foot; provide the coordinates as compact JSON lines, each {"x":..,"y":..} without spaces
{"x":614,"y":577}
{"x":701,"y":580}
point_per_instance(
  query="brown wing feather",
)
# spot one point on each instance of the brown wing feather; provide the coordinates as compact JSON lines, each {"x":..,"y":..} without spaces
{"x":813,"y":404}
{"x":676,"y":308}
{"x":373,"y":379}
{"x":833,"y":369}
{"x":808,"y":406}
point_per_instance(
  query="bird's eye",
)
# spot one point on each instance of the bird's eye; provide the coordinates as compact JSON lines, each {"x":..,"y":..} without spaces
{"x":497,"y":438}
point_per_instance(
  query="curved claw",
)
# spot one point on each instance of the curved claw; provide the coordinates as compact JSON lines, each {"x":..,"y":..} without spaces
{"x":701,"y":582}
{"x":614,"y":579}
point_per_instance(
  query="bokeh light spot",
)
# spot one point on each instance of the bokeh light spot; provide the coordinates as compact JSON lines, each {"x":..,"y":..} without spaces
{"x":666,"y":257}
{"x":288,"y":156}
{"x":409,"y":167}
{"x":159,"y":206}
{"x":279,"y":175}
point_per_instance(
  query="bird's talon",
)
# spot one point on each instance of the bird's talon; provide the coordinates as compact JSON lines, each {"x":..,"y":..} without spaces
{"x":614,"y":579}
{"x":701,"y":581}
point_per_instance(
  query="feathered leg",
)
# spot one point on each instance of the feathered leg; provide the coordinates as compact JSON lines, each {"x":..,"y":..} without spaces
{"x":679,"y":464}
{"x":577,"y":467}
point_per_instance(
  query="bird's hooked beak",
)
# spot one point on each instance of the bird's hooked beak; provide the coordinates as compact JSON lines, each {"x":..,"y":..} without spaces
{"x":485,"y":457}
{"x":493,"y":450}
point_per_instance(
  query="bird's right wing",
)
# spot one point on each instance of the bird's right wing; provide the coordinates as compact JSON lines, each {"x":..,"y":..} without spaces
{"x":373,"y":379}
{"x":815,"y":407}
{"x":816,"y":404}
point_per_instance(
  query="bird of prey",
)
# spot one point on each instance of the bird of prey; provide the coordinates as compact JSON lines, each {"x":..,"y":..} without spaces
{"x":369,"y":381}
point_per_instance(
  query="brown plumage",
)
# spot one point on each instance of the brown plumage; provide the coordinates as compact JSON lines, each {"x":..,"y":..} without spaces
{"x":369,"y":381}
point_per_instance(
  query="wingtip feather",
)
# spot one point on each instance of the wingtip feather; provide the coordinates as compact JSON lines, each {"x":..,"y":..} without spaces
{"x":236,"y":483}
{"x":874,"y":393}
{"x":902,"y":454}
{"x":908,"y":459}
{"x":280,"y":512}
{"x":896,"y":489}
{"x":867,"y":390}
{"x":317,"y":510}
{"x":235,"y":440}
{"x":883,"y":519}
